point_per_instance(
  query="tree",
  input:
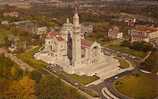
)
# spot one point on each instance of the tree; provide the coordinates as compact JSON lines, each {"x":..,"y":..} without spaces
{"x":53,"y":88}
{"x":141,"y":46}
{"x":24,"y":88}
{"x":125,"y":43}
{"x":35,"y":75}
{"x":5,"y":66}
{"x":16,"y":72}
{"x":50,"y":88}
{"x":4,"y":85}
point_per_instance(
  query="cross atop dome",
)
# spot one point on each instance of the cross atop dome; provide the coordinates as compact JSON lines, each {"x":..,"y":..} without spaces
{"x":76,"y":6}
{"x":76,"y":22}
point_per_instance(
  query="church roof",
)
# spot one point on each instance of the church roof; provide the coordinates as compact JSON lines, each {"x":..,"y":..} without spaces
{"x":86,"y":43}
{"x":56,"y":35}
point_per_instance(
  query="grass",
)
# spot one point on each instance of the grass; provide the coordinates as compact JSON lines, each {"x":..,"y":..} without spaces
{"x":6,"y":62}
{"x":27,"y":57}
{"x":129,"y":51}
{"x":151,"y":63}
{"x":3,"y":34}
{"x":138,"y":86}
{"x":84,"y":79}
{"x":123,"y":63}
{"x":116,"y":46}
{"x":6,"y":67}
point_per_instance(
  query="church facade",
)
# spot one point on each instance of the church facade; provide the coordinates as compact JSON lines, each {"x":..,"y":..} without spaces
{"x":69,"y":47}
{"x":73,"y":52}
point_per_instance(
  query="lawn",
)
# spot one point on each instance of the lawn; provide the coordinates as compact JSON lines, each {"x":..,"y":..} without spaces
{"x":27,"y":57}
{"x":3,"y":34}
{"x":6,"y":62}
{"x":83,"y":79}
{"x":123,"y":63}
{"x":138,"y":86}
{"x":6,"y":68}
{"x":116,"y":46}
{"x":151,"y":64}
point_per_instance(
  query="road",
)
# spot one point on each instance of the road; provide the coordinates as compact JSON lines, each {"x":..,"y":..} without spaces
{"x":106,"y":88}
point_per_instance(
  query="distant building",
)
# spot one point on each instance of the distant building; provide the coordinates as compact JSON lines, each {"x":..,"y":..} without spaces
{"x":69,"y":48}
{"x":74,"y":54}
{"x":11,"y":14}
{"x":26,"y":25}
{"x":42,"y":30}
{"x":4,"y":22}
{"x":131,"y":21}
{"x":143,"y":33}
{"x":114,"y":33}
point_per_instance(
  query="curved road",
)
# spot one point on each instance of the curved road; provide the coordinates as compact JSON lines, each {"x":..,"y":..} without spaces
{"x":108,"y":91}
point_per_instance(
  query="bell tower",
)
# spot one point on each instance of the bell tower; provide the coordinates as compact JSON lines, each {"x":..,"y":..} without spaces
{"x":76,"y":39}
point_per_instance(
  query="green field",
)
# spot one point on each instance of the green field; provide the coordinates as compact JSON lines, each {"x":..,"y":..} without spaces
{"x":83,"y":79}
{"x":123,"y":63}
{"x":116,"y":45}
{"x":138,"y":86}
{"x":8,"y":69}
{"x":3,"y":34}
{"x":27,"y":57}
{"x":151,"y":64}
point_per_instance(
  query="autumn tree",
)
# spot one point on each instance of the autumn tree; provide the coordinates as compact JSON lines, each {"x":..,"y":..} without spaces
{"x":24,"y":88}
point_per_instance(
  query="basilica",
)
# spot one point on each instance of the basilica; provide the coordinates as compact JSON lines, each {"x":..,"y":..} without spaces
{"x":70,"y":49}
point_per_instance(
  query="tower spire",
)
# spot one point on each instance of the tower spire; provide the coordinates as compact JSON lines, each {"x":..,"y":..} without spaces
{"x":76,"y":16}
{"x":76,"y":40}
{"x":76,"y":6}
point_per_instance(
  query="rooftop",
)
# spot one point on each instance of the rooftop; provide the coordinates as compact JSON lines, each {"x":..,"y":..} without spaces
{"x":54,"y":34}
{"x":147,"y":29}
{"x":86,"y":43}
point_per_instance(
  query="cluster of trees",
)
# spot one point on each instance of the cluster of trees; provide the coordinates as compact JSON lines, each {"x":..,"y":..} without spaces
{"x":47,"y":88}
{"x":17,"y":84}
{"x":10,"y":35}
{"x":139,"y":46}
{"x":8,"y":69}
{"x":52,"y":88}
{"x":18,"y":89}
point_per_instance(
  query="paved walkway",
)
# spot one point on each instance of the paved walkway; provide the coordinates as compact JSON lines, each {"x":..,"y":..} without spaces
{"x":111,"y":73}
{"x":146,"y":57}
{"x":108,"y":94}
{"x":108,"y":75}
